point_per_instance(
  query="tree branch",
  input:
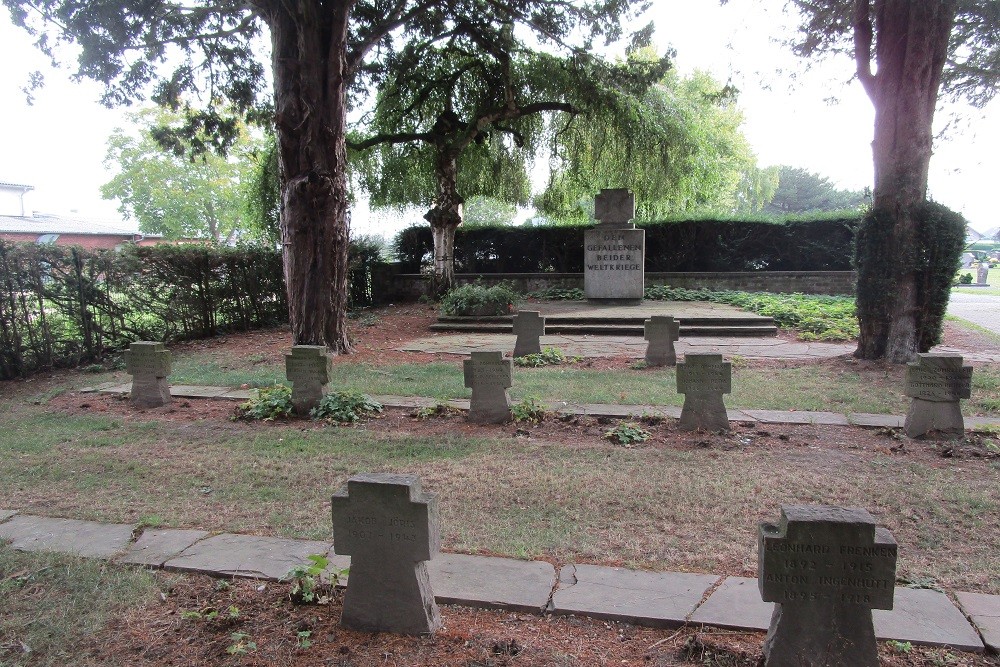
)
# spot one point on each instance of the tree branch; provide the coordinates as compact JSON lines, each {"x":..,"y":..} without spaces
{"x":863,"y":35}
{"x":397,"y":138}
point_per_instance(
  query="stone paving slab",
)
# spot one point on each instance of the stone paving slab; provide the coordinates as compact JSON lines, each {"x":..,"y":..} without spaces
{"x":491,"y":583}
{"x":918,"y":616}
{"x":6,"y":514}
{"x":237,"y":394}
{"x":984,"y":610}
{"x":878,"y":421}
{"x":246,"y":556}
{"x":654,"y":599}
{"x":156,"y":546}
{"x":89,"y":539}
{"x":196,"y":391}
{"x":798,"y":417}
{"x":979,"y":422}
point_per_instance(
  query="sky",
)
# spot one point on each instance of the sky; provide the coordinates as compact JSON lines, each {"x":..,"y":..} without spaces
{"x":58,"y":144}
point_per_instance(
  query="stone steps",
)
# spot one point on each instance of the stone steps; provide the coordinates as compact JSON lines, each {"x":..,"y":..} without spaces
{"x":613,"y":326}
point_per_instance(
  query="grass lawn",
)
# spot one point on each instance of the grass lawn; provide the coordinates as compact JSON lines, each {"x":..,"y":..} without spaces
{"x":993,"y":279}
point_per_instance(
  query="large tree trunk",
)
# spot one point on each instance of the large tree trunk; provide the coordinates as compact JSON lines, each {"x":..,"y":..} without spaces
{"x":910,"y":50}
{"x":445,"y":218}
{"x":309,"y":40}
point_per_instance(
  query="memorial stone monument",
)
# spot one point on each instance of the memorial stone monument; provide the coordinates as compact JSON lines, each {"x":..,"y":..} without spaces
{"x":614,"y":256}
{"x":983,"y":274}
{"x":936,"y":383}
{"x":826,"y":568}
{"x":529,"y":326}
{"x":390,"y":529}
{"x":703,"y":379}
{"x":489,"y":375}
{"x":148,"y":362}
{"x":307,"y":367}
{"x":661,"y":331}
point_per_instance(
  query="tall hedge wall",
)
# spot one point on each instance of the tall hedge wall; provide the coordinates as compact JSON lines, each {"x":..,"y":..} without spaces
{"x":684,"y":245}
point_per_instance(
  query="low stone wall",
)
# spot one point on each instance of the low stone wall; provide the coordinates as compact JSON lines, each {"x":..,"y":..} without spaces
{"x":391,"y":286}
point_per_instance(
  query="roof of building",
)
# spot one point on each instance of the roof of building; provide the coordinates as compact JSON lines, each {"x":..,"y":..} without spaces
{"x":40,"y":223}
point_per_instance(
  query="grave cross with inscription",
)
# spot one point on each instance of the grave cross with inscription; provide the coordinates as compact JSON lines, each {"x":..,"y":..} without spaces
{"x":661,"y":331}
{"x":826,"y":568}
{"x":936,"y":383}
{"x":703,"y":379}
{"x":148,"y":362}
{"x":390,"y":529}
{"x":489,"y":375}
{"x":308,"y":369}
{"x":529,"y":326}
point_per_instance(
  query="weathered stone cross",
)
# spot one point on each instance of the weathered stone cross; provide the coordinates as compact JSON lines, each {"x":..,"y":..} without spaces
{"x":390,"y":529}
{"x":614,"y":207}
{"x":308,"y":369}
{"x":826,"y":568}
{"x":489,"y":375}
{"x":703,"y":379}
{"x":937,"y":382}
{"x":148,"y":362}
{"x":529,"y":326}
{"x":661,"y":331}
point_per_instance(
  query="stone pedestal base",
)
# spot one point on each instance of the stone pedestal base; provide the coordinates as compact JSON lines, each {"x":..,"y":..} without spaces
{"x":413,"y":610}
{"x":489,"y":407}
{"x":525,"y":345}
{"x":821,"y":634}
{"x":661,"y":354}
{"x":150,"y":392}
{"x":306,"y":396}
{"x":945,"y":417}
{"x":704,"y":411}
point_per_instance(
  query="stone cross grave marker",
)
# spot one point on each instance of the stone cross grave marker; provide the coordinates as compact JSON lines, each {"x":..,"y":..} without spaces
{"x":826,"y":568}
{"x":390,"y":529}
{"x":529,"y":326}
{"x":703,"y":379}
{"x":148,"y":362}
{"x":614,"y":207}
{"x":308,"y":369}
{"x":661,"y":331}
{"x":489,"y":375}
{"x":936,"y":383}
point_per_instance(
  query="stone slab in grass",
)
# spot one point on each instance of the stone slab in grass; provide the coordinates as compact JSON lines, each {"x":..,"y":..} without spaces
{"x":89,"y":539}
{"x":246,"y":556}
{"x":156,"y":546}
{"x":654,"y":599}
{"x":918,"y":616}
{"x":797,"y":417}
{"x":623,"y":411}
{"x":926,"y":617}
{"x":979,"y":422}
{"x":237,"y":395}
{"x":197,"y":391}
{"x":6,"y":514}
{"x":878,"y":421}
{"x":491,"y":583}
{"x":103,"y":387}
{"x":984,"y":610}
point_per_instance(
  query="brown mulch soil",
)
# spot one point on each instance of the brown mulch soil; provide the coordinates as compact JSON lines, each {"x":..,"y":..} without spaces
{"x":269,"y":629}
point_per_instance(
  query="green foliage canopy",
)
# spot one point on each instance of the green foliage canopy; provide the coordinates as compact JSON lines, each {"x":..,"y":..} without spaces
{"x":802,"y":191}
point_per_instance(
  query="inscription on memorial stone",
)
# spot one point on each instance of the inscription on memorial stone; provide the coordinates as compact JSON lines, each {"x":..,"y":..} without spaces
{"x":529,"y":326}
{"x":148,"y":362}
{"x":614,"y":251}
{"x":308,"y":369}
{"x":703,"y":379}
{"x":937,"y":383}
{"x":489,"y":375}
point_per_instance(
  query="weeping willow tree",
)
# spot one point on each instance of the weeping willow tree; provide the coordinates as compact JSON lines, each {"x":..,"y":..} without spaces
{"x":467,"y":117}
{"x":678,"y":147}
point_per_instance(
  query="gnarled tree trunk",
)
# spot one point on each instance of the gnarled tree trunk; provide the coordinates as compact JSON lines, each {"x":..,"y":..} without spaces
{"x":910,"y":50}
{"x":309,"y":42}
{"x":445,"y":218}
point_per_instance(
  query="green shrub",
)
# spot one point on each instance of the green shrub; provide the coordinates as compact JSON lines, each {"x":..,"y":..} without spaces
{"x":345,"y":407}
{"x":270,"y":403}
{"x":965,"y":279}
{"x":529,"y":410}
{"x":627,"y":433}
{"x":478,"y":300}
{"x":558,"y":294}
{"x":549,"y":356}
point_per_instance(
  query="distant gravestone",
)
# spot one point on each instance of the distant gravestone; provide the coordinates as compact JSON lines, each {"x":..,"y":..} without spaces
{"x":661,"y":331}
{"x":390,"y":529}
{"x":529,"y":326}
{"x":826,"y":568}
{"x":936,"y":383}
{"x":967,"y":260}
{"x":614,"y":256}
{"x":489,"y":375}
{"x":148,"y":362}
{"x":983,"y":273}
{"x":703,"y":379}
{"x":307,"y":367}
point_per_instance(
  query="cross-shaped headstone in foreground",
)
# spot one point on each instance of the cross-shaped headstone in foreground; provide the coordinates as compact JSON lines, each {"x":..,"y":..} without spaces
{"x":307,"y":367}
{"x":703,"y":379}
{"x":826,"y":568}
{"x":529,"y":326}
{"x":148,"y":362}
{"x":661,"y":331}
{"x":936,"y":383}
{"x":614,"y":207}
{"x":489,"y":375}
{"x":390,"y":529}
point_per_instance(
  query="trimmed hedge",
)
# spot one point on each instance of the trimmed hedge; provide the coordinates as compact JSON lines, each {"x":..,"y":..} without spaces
{"x":809,"y":244}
